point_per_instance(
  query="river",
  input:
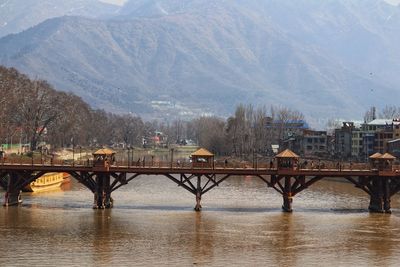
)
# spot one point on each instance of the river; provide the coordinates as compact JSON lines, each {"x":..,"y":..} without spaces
{"x":153,"y":224}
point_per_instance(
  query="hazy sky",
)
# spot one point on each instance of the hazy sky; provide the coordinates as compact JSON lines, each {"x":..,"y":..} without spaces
{"x":117,"y":2}
{"x":394,"y":2}
{"x":121,"y":2}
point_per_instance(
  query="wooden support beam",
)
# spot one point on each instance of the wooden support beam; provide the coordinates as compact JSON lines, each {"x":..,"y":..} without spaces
{"x":86,"y":179}
{"x":216,"y":181}
{"x":16,"y":181}
{"x":394,"y":185}
{"x":187,"y":179}
{"x":363,"y":183}
{"x":4,"y":179}
{"x":305,"y":184}
{"x":179,"y":183}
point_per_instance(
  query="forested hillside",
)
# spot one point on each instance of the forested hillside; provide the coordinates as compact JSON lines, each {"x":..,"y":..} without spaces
{"x":174,"y":59}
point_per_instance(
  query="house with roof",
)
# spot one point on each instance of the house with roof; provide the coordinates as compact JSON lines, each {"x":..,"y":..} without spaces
{"x":310,"y":143}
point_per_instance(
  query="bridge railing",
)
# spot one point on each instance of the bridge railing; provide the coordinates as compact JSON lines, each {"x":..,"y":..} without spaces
{"x":187,"y":164}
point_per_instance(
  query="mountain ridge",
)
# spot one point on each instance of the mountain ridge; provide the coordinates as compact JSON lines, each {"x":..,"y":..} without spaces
{"x":244,"y":52}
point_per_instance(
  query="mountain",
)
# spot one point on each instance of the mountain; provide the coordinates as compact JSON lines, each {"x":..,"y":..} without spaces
{"x":332,"y":58}
{"x":19,"y":15}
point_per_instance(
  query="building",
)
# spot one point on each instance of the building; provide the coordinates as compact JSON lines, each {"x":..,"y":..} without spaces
{"x":382,"y":137}
{"x":343,"y":140}
{"x":315,"y":143}
{"x":310,"y":143}
{"x":368,"y":145}
{"x":393,"y":147}
{"x":159,"y":139}
{"x":357,"y":143}
{"x":384,"y":131}
{"x":379,"y":124}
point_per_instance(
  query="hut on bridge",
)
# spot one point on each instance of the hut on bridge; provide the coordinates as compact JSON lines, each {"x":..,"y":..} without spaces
{"x":385,"y":162}
{"x":287,"y":159}
{"x":373,"y":160}
{"x":103,"y":158}
{"x":202,"y":158}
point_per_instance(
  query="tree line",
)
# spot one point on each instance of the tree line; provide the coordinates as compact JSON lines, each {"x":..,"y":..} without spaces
{"x":32,"y":111}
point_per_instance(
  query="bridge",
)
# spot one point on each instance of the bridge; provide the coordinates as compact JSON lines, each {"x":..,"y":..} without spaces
{"x":285,"y":174}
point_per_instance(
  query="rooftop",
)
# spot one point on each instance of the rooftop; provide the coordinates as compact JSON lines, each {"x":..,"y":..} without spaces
{"x":387,"y":156}
{"x":383,"y":122}
{"x":104,"y":151}
{"x":202,"y":152}
{"x":375,"y":156}
{"x":287,"y":153}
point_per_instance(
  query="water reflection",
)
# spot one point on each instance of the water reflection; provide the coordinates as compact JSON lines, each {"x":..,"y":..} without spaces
{"x":378,"y":237}
{"x":203,"y":245}
{"x":286,"y":237}
{"x":101,"y":237}
{"x":153,"y":223}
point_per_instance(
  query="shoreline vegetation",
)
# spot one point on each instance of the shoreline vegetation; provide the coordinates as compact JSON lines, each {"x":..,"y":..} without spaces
{"x":33,"y":113}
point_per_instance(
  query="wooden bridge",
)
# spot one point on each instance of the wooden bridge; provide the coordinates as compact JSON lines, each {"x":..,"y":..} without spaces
{"x":285,"y":174}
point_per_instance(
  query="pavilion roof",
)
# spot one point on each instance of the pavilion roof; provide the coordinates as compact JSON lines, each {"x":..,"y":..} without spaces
{"x":387,"y":156}
{"x":377,"y":155}
{"x":287,"y":153}
{"x":202,"y":152}
{"x":104,"y":151}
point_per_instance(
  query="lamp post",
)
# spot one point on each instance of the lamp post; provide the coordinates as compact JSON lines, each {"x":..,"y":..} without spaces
{"x":80,"y":155}
{"x":172,"y":156}
{"x":132,"y":155}
{"x":20,"y":141}
{"x":73,"y":151}
{"x":128,"y":150}
{"x":254,"y":162}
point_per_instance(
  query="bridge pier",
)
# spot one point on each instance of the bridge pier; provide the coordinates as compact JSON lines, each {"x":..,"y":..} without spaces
{"x":287,"y":195}
{"x":102,"y":194}
{"x":287,"y":203}
{"x":198,"y":194}
{"x":386,"y":195}
{"x":13,"y":193}
{"x":379,"y":195}
{"x":376,"y":196}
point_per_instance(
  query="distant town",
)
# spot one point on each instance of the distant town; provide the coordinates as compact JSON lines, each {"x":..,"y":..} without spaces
{"x":352,"y":141}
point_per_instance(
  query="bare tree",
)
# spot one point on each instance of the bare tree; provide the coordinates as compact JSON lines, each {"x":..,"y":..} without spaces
{"x":370,"y":115}
{"x":284,"y":116}
{"x":332,"y":124}
{"x":390,"y":112}
{"x":36,"y":110}
{"x":210,"y":134}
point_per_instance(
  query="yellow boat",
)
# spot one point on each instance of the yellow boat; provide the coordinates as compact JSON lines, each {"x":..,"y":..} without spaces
{"x":48,"y":181}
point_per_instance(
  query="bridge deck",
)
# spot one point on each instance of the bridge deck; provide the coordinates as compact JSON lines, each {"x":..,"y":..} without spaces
{"x":155,"y":170}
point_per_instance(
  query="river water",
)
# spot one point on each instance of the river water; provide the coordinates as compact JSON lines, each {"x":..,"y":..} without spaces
{"x":153,"y":224}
